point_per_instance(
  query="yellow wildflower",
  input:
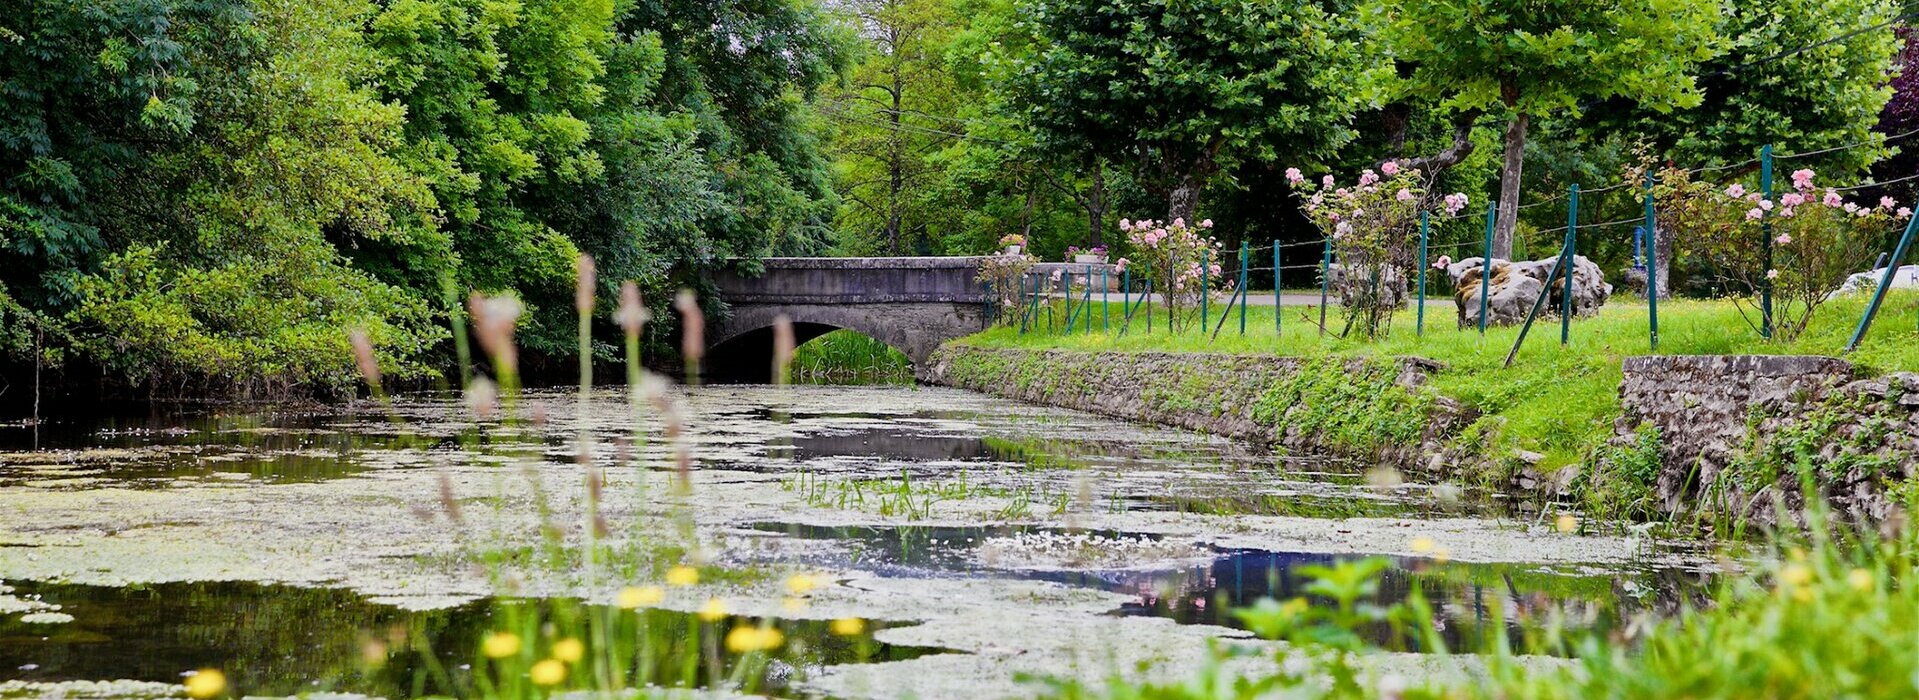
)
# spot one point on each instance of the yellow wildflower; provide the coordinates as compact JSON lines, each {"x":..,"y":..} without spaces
{"x":569,"y":650}
{"x":1442,"y":555}
{"x":547,"y":672}
{"x":206,"y":683}
{"x":848,"y":626}
{"x":1423,"y":544}
{"x":1860,"y":579}
{"x":682,"y":575}
{"x":500,"y":645}
{"x":745,"y":639}
{"x":802,"y":584}
{"x":1567,"y":523}
{"x":713,"y":611}
{"x":1796,"y":575}
{"x":633,"y":597}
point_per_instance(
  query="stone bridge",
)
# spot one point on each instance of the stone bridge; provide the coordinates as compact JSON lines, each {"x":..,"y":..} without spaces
{"x":912,"y":304}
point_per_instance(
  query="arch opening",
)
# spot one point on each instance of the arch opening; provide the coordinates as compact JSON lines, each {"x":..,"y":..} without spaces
{"x":823,"y":353}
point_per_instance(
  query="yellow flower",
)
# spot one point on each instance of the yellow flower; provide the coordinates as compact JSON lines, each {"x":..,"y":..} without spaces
{"x":1423,"y":544}
{"x":547,"y":672}
{"x":802,"y":584}
{"x":682,"y":575}
{"x":633,"y":597}
{"x":569,"y":650}
{"x":793,"y":605}
{"x":848,"y":626}
{"x":206,"y":683}
{"x":1860,"y":579}
{"x":500,"y":645}
{"x":1567,"y":523}
{"x":713,"y":611}
{"x":1442,"y":555}
{"x":748,"y":639}
{"x":1796,"y":575}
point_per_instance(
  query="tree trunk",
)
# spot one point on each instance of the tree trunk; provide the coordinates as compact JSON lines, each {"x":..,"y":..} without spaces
{"x":1096,"y":204}
{"x":1183,"y":201}
{"x":1662,"y":245}
{"x":1509,"y":187}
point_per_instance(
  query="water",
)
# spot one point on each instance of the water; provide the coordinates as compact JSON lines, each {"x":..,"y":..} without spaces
{"x":901,"y":482}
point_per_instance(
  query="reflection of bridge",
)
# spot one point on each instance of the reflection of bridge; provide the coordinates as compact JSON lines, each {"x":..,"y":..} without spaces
{"x":912,"y":304}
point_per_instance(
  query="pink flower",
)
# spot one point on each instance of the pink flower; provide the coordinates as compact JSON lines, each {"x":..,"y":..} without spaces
{"x":1772,"y":274}
{"x":1179,"y":221}
{"x":1736,"y":190}
{"x":1783,"y":239}
{"x":1208,"y":223}
{"x":1786,"y":212}
{"x":1368,"y":177}
{"x":1765,"y":204}
{"x":1802,"y":178}
{"x":1125,"y":225}
{"x":1887,"y":203}
{"x":1863,"y":211}
{"x":1405,"y":195}
{"x":1121,"y":265}
{"x":1056,"y":275}
{"x":1752,"y":196}
{"x":1792,"y":199}
{"x":1754,"y":213}
{"x":1905,"y":212}
{"x":1833,"y":199}
{"x":1390,"y":168}
{"x":1342,"y":229}
{"x":1850,"y":207}
{"x":1293,"y":176}
{"x":1326,"y":181}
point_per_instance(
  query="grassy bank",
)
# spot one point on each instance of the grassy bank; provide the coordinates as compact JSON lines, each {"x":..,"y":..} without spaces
{"x":844,"y":355}
{"x":1554,"y":400}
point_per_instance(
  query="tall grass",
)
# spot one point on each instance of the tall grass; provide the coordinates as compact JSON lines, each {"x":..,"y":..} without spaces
{"x":844,"y":355}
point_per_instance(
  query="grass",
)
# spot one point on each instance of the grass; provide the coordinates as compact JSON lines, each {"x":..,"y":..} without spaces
{"x":1557,"y":401}
{"x":843,"y":355}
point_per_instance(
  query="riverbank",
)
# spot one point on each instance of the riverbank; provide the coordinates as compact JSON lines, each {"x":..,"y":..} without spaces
{"x":1563,"y":422}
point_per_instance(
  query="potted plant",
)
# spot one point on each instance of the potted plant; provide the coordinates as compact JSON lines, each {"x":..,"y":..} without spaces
{"x":1013,"y":243}
{"x":1093,"y":255}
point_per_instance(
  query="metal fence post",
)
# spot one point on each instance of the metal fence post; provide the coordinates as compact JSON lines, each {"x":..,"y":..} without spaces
{"x":1205,"y":286}
{"x":1568,"y":263}
{"x":1486,"y":267}
{"x":1419,"y":316}
{"x":1885,"y":282}
{"x":1086,"y":302}
{"x":1325,"y":279}
{"x":1276,"y":288}
{"x":1105,"y":301}
{"x":1242,"y":286}
{"x":1765,"y":243}
{"x":1652,"y":264}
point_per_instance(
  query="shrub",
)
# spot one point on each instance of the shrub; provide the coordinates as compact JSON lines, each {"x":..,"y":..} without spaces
{"x":1374,"y":226}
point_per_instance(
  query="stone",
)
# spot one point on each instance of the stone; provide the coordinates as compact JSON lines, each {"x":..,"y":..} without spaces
{"x":1515,"y":288}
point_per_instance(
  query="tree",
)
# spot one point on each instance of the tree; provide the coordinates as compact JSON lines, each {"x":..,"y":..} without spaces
{"x":1531,"y":58}
{"x":1176,"y":90}
{"x":892,"y":114}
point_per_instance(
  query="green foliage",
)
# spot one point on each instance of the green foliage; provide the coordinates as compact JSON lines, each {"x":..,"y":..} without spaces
{"x":1176,"y":91}
{"x":1619,"y":482}
{"x":1350,"y":404}
{"x":846,"y":355}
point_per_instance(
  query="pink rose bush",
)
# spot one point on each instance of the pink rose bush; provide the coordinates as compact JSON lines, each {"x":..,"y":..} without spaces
{"x":1183,"y":261}
{"x":1818,"y":238}
{"x":1374,"y":228}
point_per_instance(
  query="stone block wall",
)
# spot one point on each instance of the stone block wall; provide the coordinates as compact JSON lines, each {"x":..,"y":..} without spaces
{"x":1737,"y":431}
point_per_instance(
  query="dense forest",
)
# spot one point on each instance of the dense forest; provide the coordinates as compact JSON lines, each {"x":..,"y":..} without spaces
{"x":200,"y":196}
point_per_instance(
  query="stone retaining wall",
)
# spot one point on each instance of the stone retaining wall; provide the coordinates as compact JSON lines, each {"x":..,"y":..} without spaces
{"x":1379,"y":409}
{"x":1735,"y":432}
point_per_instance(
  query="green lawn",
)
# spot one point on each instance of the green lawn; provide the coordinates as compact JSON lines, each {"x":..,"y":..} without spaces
{"x":1559,"y":401}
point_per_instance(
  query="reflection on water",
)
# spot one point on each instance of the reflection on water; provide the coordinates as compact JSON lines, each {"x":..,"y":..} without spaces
{"x":279,"y":640}
{"x":1467,"y":597}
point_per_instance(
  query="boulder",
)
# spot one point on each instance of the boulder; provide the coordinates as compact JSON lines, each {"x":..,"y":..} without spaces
{"x":1906,"y":277}
{"x":1516,"y":285}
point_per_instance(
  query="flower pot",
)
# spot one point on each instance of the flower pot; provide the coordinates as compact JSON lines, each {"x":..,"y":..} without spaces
{"x":1090,"y":259}
{"x":1012,"y":250}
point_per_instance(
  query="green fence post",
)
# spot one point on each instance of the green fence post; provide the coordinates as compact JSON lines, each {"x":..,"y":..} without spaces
{"x":1086,"y":303}
{"x":1885,"y":282}
{"x":1419,"y":317}
{"x":1325,"y":270}
{"x":1652,"y":264}
{"x":1486,"y":267}
{"x":1024,"y":304}
{"x":1538,"y":302}
{"x":1276,"y":288}
{"x":1765,"y":243}
{"x":1242,"y":286}
{"x":1205,"y":286}
{"x":1567,"y":264}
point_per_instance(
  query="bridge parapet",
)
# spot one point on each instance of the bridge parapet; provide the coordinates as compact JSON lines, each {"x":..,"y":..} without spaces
{"x":858,"y":281}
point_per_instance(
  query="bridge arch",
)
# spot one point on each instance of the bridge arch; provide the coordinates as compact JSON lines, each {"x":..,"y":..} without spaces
{"x":911,"y":304}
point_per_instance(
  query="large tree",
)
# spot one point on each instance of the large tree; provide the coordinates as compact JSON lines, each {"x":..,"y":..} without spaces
{"x":1529,"y":58}
{"x":1177,"y":90}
